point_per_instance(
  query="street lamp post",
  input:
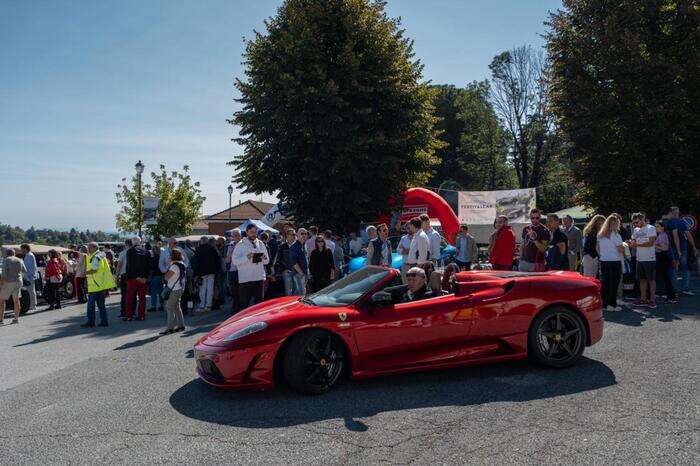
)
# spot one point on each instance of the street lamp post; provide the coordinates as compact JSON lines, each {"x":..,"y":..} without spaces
{"x":230,"y":193}
{"x":139,"y":170}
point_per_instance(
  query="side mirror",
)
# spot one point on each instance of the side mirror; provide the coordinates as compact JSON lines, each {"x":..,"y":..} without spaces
{"x":381,"y":298}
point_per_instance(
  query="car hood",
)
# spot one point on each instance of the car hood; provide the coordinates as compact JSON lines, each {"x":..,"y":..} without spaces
{"x":269,"y":312}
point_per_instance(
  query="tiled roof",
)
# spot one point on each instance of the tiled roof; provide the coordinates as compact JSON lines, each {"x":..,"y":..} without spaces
{"x":243,"y":211}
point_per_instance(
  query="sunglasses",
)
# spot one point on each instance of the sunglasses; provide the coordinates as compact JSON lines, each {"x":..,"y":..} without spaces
{"x":411,"y":275}
{"x":320,"y":241}
{"x":535,"y":218}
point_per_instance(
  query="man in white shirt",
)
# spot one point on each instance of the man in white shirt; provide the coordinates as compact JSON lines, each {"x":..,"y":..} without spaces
{"x":433,"y":236}
{"x":250,"y":257}
{"x":420,"y":244}
{"x":330,"y":244}
{"x":643,"y":238}
{"x":310,"y":244}
{"x":403,"y":249}
{"x":233,"y":270}
{"x":355,"y":244}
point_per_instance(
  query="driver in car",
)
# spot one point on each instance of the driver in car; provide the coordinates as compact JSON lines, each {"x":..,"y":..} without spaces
{"x":417,"y":287}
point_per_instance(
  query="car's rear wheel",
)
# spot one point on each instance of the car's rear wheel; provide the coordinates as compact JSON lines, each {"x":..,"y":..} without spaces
{"x":313,"y":362}
{"x":557,"y":337}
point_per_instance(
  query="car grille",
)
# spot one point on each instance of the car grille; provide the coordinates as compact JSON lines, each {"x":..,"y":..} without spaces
{"x":208,"y":367}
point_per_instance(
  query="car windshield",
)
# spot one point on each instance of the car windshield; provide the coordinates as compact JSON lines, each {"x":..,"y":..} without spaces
{"x":347,"y":290}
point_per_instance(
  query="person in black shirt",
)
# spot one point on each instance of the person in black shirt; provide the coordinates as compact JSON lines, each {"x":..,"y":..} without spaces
{"x":138,"y":271}
{"x":558,"y":249}
{"x":321,"y":265}
{"x":155,"y":285}
{"x":206,"y":264}
{"x":418,"y":289}
{"x":590,"y":245}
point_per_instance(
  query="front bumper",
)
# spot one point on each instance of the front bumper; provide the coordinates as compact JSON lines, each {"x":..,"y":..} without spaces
{"x":245,"y":369}
{"x":596,"y":323}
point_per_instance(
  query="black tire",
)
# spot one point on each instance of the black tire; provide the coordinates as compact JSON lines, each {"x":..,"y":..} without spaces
{"x":313,"y":362}
{"x":556,"y":338}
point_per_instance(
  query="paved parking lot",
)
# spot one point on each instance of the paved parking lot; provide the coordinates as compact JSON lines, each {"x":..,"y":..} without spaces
{"x":124,"y":395}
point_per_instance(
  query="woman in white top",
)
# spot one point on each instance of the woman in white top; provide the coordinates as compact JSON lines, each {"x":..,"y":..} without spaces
{"x":174,"y":280}
{"x":610,"y":248}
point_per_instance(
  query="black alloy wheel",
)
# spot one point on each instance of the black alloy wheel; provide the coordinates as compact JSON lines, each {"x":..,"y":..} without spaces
{"x":313,"y":362}
{"x":557,"y":338}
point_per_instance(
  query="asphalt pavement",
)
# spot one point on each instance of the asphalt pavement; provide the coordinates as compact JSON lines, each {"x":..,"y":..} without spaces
{"x":124,"y":395}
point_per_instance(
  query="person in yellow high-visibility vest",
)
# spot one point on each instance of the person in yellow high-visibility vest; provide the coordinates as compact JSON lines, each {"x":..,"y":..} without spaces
{"x":99,"y":280}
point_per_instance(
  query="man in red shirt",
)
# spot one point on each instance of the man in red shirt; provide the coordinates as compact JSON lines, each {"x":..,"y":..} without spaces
{"x":502,"y":245}
{"x":536,"y":238}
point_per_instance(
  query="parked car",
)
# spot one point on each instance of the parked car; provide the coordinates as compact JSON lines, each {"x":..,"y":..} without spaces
{"x":360,"y":326}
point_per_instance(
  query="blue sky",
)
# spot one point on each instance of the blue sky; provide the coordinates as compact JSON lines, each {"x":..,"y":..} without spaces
{"x":88,"y":88}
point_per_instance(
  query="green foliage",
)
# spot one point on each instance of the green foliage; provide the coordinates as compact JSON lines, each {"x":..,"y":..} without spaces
{"x":335,"y":116}
{"x":179,"y":203}
{"x":16,"y":235}
{"x":626,"y":87}
{"x":474,"y":151}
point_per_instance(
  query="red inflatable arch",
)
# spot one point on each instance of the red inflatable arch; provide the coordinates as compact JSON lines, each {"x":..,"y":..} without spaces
{"x":419,"y":200}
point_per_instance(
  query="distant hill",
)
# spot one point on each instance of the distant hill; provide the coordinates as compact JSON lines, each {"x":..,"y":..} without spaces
{"x":16,"y":235}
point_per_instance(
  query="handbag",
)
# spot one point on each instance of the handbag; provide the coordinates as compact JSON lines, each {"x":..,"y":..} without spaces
{"x":165,"y":294}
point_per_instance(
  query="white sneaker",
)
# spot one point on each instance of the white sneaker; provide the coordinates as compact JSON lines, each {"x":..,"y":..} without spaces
{"x":609,"y":308}
{"x":618,"y":308}
{"x":688,"y":293}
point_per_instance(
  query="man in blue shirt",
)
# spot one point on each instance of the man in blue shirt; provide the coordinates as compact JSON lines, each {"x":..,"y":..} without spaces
{"x":291,"y":263}
{"x":30,"y":264}
{"x":679,"y":237}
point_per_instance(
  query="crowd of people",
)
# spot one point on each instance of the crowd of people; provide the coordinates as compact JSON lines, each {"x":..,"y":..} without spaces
{"x":608,"y":250}
{"x":250,"y":265}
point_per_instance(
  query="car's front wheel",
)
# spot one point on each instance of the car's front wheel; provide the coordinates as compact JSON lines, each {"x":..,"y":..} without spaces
{"x":557,"y":338}
{"x":313,"y":362}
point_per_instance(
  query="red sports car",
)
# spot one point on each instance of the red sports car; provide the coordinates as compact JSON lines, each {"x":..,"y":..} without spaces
{"x":360,"y":327}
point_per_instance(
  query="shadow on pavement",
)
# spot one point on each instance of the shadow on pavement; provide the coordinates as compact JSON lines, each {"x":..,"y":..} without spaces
{"x":69,"y":326}
{"x":518,"y":381}
{"x":137,"y":343}
{"x":635,"y":316}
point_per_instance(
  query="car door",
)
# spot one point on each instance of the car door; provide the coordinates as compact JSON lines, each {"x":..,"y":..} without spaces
{"x":446,"y":327}
{"x":389,"y":336}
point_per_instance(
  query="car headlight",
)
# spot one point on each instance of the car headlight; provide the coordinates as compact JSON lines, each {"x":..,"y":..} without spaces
{"x":245,"y":331}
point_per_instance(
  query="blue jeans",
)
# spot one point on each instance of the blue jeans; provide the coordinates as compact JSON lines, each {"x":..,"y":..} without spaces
{"x":294,"y":283}
{"x":223,"y":286}
{"x":98,"y":298}
{"x":685,"y":272}
{"x":154,"y":289}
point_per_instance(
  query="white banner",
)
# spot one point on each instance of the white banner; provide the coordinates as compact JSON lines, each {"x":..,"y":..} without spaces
{"x":150,"y":210}
{"x":482,"y":207}
{"x":274,"y":215}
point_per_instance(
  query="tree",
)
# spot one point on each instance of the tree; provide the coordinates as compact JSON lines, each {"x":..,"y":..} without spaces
{"x":179,"y":203}
{"x":520,"y":99}
{"x":474,"y":150}
{"x":625,"y":86}
{"x":335,"y":116}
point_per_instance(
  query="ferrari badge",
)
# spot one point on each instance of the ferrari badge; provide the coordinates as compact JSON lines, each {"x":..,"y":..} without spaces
{"x":342,"y":316}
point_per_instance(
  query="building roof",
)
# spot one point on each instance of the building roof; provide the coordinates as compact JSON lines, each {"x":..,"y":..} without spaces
{"x":243,"y":211}
{"x":200,"y":224}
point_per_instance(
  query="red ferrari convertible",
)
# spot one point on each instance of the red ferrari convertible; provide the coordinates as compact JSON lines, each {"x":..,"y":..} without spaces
{"x":360,"y":327}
